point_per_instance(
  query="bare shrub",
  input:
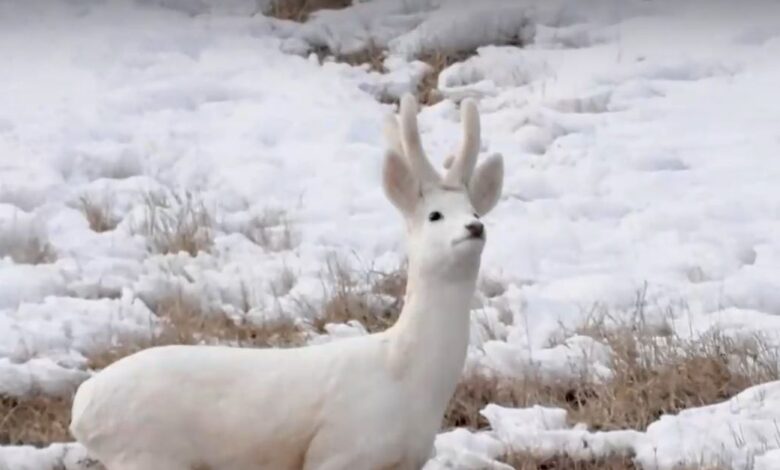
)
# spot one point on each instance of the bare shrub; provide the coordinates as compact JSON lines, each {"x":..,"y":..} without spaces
{"x":177,"y":224}
{"x":299,"y":10}
{"x":271,"y":230}
{"x":98,"y":214}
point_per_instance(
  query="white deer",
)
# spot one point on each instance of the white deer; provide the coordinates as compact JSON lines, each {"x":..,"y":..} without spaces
{"x":371,"y":402}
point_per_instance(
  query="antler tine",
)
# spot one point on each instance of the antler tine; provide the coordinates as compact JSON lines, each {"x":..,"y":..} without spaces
{"x":410,"y":140}
{"x":392,"y":134}
{"x":461,"y":169}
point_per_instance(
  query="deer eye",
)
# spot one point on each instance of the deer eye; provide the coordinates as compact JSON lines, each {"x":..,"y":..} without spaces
{"x":434,"y":216}
{"x":476,"y":216}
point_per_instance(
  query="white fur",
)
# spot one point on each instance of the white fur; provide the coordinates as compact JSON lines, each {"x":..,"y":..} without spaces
{"x":373,"y":402}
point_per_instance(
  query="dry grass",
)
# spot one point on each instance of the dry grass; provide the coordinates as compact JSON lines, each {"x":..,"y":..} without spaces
{"x":98,"y":214}
{"x":373,"y":298}
{"x":525,"y":461}
{"x":299,"y":10}
{"x":30,"y":250}
{"x":373,"y":56}
{"x":653,"y":375}
{"x":179,"y":223}
{"x":272,"y":231}
{"x":528,"y":461}
{"x":34,"y":421}
{"x":185,"y":323}
{"x":655,"y":372}
{"x":428,"y":89}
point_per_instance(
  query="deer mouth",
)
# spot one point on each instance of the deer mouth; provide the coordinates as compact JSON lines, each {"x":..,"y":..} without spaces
{"x":468,"y":238}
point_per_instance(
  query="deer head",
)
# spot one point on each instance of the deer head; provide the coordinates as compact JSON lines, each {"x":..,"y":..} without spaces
{"x":442,"y":213}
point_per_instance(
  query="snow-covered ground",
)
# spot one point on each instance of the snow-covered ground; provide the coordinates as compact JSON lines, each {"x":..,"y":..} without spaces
{"x":641,"y":138}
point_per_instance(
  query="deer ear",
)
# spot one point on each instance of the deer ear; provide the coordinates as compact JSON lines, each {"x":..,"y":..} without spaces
{"x":400,"y":185}
{"x":486,"y":183}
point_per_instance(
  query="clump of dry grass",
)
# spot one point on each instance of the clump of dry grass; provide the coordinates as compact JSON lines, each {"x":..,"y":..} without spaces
{"x":271,"y":230}
{"x":652,"y":375}
{"x":98,"y":214}
{"x":299,"y":10}
{"x":177,"y":224}
{"x":374,"y":299}
{"x":33,"y":249}
{"x":34,"y":421}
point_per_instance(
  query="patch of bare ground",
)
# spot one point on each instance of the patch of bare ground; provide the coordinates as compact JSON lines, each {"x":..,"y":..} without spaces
{"x":34,"y":421}
{"x":300,"y":10}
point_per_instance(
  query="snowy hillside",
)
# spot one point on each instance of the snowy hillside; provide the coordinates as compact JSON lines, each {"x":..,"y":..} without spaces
{"x":642,"y":146}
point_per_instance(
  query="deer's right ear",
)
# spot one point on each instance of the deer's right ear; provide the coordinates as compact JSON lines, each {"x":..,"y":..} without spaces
{"x":400,"y":185}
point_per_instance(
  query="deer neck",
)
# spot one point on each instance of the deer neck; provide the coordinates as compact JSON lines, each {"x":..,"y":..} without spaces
{"x":430,"y":339}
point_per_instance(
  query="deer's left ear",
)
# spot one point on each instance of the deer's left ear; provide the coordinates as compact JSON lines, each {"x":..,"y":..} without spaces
{"x":486,"y":183}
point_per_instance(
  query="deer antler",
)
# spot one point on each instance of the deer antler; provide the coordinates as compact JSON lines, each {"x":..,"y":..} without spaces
{"x":412,"y":146}
{"x":462,"y":166}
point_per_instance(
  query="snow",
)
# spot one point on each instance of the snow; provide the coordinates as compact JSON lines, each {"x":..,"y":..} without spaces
{"x":640,"y":140}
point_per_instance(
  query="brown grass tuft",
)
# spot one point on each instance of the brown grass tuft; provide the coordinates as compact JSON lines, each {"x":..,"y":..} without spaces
{"x":299,"y":10}
{"x":177,"y":224}
{"x":98,"y":214}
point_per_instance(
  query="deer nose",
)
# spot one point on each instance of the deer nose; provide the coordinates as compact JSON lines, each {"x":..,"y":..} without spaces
{"x":476,"y":229}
